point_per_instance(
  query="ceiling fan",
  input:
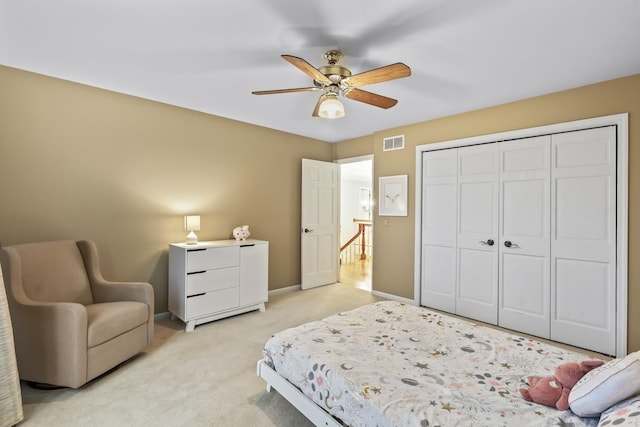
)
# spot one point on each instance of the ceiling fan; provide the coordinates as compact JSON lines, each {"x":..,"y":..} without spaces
{"x":335,"y":80}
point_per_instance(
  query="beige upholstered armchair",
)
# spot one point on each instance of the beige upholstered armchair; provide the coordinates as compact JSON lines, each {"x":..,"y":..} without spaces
{"x":71,"y":325}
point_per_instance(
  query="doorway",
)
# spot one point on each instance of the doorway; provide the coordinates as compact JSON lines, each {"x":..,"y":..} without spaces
{"x":356,"y":221}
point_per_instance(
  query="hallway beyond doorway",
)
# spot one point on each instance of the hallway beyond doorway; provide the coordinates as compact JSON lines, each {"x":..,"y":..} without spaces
{"x":356,"y":274}
{"x":356,"y":214}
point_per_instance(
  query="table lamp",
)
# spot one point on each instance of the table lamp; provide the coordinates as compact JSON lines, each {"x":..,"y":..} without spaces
{"x":191,"y":224}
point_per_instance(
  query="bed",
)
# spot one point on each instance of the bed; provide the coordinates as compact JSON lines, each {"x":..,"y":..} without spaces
{"x":393,"y":364}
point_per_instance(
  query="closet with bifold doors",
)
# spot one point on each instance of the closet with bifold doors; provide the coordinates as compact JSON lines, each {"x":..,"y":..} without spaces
{"x":521,"y":233}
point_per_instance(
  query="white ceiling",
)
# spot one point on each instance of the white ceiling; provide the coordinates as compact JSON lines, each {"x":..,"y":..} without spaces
{"x":208,"y":55}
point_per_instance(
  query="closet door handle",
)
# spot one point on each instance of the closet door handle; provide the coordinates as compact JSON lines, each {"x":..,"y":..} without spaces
{"x":488,"y":242}
{"x":509,"y":244}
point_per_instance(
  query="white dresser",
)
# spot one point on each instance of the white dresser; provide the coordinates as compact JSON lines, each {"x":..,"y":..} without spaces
{"x":212,"y":280}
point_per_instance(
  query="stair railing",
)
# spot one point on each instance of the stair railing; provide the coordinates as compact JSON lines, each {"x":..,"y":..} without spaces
{"x":360,"y":234}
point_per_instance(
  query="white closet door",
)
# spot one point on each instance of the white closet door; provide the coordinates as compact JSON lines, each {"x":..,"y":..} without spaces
{"x":583,"y":232}
{"x":524,"y":242}
{"x":477,"y":261}
{"x":439,"y":212}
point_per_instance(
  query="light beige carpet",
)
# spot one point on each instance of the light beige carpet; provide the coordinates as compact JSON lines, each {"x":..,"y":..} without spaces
{"x":203,"y":378}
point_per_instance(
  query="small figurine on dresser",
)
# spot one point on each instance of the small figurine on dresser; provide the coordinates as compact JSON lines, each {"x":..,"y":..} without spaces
{"x":241,"y":232}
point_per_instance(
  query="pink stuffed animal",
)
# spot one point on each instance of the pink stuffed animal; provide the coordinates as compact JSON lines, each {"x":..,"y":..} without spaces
{"x":554,"y":390}
{"x":546,"y":391}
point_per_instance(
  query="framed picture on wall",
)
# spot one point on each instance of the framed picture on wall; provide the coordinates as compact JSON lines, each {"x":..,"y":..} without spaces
{"x":392,"y":200}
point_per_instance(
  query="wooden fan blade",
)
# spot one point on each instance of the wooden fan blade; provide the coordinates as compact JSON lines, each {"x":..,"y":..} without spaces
{"x":378,"y":75}
{"x":299,"y":89}
{"x":370,"y":98}
{"x":307,"y":68}
{"x":317,"y":109}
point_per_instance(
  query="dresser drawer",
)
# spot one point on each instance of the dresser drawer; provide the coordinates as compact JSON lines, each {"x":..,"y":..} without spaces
{"x":212,"y":302}
{"x":207,"y":259}
{"x":213,"y":280}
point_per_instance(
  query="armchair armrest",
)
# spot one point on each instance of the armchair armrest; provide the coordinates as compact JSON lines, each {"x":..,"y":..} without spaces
{"x":110,"y":291}
{"x":54,"y":321}
{"x":52,"y":337}
{"x":107,"y":291}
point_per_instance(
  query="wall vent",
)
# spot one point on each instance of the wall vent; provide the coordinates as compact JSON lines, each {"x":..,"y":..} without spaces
{"x":393,"y":143}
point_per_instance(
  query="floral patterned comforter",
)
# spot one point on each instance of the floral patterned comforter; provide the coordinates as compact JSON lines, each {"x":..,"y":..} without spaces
{"x":392,"y":364}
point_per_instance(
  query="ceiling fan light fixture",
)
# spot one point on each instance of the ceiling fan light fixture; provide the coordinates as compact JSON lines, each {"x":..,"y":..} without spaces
{"x":331,"y":108}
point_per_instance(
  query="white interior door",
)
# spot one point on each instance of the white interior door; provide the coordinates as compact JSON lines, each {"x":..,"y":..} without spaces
{"x":439,"y":213}
{"x":583,"y":233}
{"x":524,"y":243}
{"x":477,"y":258}
{"x":319,"y":223}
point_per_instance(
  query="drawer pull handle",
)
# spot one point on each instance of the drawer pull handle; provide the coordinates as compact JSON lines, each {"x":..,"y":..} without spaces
{"x":196,"y":295}
{"x":244,"y":246}
{"x":196,"y":272}
{"x":196,"y":250}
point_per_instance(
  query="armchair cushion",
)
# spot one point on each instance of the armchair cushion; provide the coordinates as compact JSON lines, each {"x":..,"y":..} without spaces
{"x":111,"y":319}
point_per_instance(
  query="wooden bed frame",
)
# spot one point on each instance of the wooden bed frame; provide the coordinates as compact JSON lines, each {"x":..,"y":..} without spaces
{"x":306,"y":406}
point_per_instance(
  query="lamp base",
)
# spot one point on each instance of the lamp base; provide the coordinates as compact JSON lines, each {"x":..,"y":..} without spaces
{"x":192,"y":239}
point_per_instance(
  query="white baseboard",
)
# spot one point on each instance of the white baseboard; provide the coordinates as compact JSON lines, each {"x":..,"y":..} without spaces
{"x":373,"y":292}
{"x":393,"y":297}
{"x":287,"y":289}
{"x":161,"y":315}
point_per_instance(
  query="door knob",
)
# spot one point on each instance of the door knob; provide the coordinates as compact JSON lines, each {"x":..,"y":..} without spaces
{"x":507,"y":243}
{"x":488,"y":242}
{"x":306,"y":230}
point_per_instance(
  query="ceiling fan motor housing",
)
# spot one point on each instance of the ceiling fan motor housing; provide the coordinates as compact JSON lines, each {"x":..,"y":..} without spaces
{"x":335,"y":73}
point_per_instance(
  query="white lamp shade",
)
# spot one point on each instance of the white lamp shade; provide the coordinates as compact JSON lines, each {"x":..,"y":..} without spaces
{"x":331,"y":108}
{"x":192,"y":223}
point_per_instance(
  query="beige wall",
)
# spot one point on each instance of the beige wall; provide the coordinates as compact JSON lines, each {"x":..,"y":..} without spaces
{"x":353,"y":148}
{"x":393,"y":265}
{"x":78,"y":162}
{"x":82,"y":163}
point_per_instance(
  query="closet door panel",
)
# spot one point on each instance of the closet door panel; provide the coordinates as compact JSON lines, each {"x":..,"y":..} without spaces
{"x":439,"y":212}
{"x":438,"y":278}
{"x":524,"y":235}
{"x":476,"y":296}
{"x":582,"y":277}
{"x":477,"y":257}
{"x":524,"y":295}
{"x":583,"y":254}
{"x":582,"y":215}
{"x":525,"y":209}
